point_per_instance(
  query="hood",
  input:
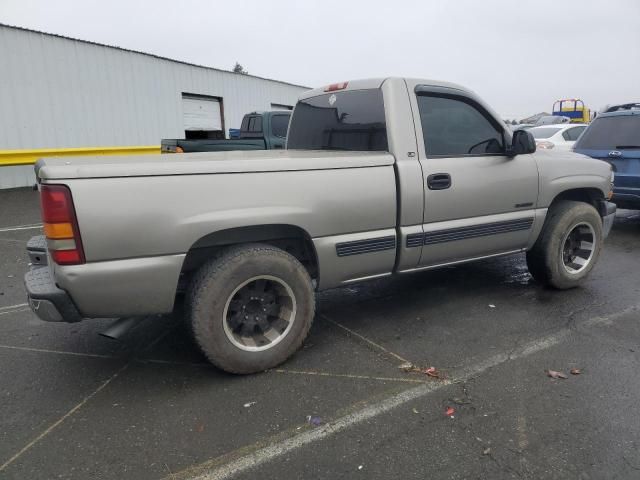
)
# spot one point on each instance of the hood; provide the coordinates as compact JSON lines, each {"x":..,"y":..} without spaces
{"x":59,"y":168}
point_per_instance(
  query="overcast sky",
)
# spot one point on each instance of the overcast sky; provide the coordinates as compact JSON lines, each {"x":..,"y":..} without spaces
{"x":519,"y":55}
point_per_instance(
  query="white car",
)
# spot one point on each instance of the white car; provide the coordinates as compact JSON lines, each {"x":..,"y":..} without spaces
{"x":561,"y":136}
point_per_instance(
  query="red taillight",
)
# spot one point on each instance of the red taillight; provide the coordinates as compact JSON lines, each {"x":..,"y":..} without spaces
{"x":336,"y":86}
{"x":66,"y":257}
{"x":56,"y":204}
{"x":61,"y":225}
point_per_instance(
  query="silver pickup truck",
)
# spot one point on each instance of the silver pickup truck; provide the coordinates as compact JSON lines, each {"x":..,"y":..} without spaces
{"x":380,"y":177}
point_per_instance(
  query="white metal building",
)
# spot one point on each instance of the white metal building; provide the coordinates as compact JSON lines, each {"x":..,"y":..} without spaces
{"x":59,"y":93}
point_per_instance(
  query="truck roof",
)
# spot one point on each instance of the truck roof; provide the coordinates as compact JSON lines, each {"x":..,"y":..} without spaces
{"x":368,"y":83}
{"x":267,"y":112}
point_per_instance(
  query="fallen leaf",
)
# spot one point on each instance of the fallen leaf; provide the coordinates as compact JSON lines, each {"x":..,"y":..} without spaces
{"x":449,"y":411}
{"x":575,"y":371}
{"x":200,"y":428}
{"x":411,"y":368}
{"x":432,"y":372}
{"x":554,"y":374}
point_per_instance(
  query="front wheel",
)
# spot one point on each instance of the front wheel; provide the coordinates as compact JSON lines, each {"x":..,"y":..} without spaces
{"x":569,"y":245}
{"x":251,"y":308}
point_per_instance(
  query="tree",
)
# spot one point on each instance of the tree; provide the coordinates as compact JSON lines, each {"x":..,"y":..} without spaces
{"x":239,"y":69}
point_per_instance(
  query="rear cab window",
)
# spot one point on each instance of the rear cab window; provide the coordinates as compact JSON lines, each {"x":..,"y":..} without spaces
{"x":255,"y":125}
{"x":251,"y":126}
{"x":352,"y":120}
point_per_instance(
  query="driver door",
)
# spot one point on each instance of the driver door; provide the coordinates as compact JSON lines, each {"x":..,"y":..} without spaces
{"x":477,"y":201}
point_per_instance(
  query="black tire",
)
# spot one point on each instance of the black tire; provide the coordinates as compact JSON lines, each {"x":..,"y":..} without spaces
{"x":213,"y":291}
{"x":546,"y":261}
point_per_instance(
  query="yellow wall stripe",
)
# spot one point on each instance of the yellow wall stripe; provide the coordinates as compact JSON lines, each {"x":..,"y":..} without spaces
{"x":29,"y":157}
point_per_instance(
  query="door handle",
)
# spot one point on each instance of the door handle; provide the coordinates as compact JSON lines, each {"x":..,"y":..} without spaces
{"x":439,"y":181}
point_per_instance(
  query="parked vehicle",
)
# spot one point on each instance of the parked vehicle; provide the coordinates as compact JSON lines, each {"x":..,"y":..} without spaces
{"x":551,"y":120}
{"x":623,"y":106}
{"x":573,"y":108}
{"x":522,"y":126}
{"x":380,"y":177}
{"x":259,"y":131}
{"x":557,"y":136}
{"x":614,"y":136}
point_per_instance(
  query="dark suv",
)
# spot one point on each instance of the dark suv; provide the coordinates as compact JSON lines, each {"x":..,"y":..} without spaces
{"x":614,"y":136}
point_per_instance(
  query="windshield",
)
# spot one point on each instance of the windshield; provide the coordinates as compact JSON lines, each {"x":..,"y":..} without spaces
{"x":544,"y":132}
{"x":351,"y":120}
{"x":608,"y":133}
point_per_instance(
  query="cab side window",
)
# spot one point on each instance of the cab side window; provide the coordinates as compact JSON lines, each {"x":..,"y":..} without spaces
{"x":279,"y":125}
{"x":455,"y":126}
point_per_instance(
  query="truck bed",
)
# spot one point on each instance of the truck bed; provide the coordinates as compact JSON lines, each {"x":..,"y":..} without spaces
{"x":53,"y":168}
{"x":170,"y":145}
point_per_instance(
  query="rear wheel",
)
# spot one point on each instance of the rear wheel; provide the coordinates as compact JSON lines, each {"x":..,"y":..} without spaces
{"x":569,"y":245}
{"x":251,"y":308}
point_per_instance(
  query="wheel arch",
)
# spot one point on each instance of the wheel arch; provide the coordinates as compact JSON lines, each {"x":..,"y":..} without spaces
{"x":591,"y":195}
{"x":290,"y":238}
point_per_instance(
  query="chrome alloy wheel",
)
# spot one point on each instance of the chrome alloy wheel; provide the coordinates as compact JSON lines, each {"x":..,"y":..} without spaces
{"x":578,"y":248}
{"x":259,"y":313}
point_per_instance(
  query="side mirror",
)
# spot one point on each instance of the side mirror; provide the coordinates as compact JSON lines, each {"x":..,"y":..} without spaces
{"x":522,"y":142}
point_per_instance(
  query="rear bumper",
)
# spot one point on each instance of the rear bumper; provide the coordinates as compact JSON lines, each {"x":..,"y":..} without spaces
{"x":608,"y":213}
{"x":46,"y":300}
{"x":108,"y":289}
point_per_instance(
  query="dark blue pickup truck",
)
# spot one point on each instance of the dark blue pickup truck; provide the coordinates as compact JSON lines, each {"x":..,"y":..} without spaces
{"x":614,"y":136}
{"x":259,"y":131}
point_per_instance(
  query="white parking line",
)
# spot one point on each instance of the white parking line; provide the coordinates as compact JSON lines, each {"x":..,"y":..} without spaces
{"x":32,"y":226}
{"x":78,"y":406}
{"x":7,"y":312}
{"x":11,"y":307}
{"x":238,"y":462}
{"x":349,"y":376}
{"x":63,"y":418}
{"x":59,"y":352}
{"x":365,"y":339}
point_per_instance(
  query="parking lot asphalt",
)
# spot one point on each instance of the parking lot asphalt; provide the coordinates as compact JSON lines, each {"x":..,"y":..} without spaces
{"x":76,"y":405}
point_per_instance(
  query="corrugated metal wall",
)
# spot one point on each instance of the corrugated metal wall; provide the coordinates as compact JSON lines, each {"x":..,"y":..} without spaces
{"x":57,"y":92}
